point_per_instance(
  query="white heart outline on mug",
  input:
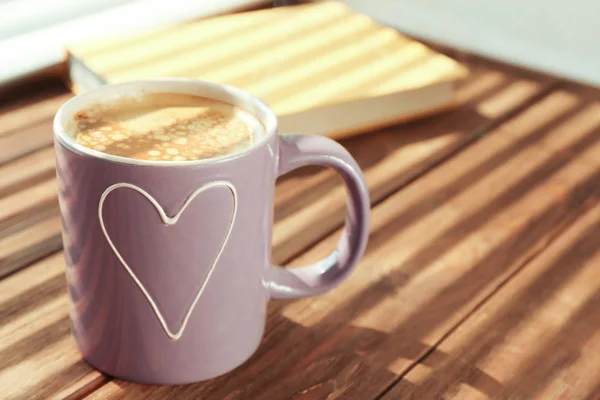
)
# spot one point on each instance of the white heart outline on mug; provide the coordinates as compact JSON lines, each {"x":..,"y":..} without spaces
{"x":170,"y":221}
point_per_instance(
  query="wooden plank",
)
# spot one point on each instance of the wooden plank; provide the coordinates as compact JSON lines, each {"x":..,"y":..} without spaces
{"x":30,"y":105}
{"x":29,"y":222}
{"x":26,"y":121}
{"x":27,"y":191}
{"x":392,"y":157}
{"x":19,"y":206}
{"x":26,"y":171}
{"x":29,"y":226}
{"x":38,"y":358}
{"x":537,"y":338}
{"x":25,"y":141}
{"x":30,"y":244}
{"x":438,"y":249}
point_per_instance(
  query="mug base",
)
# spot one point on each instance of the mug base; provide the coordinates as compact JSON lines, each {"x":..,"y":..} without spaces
{"x":158,"y":380}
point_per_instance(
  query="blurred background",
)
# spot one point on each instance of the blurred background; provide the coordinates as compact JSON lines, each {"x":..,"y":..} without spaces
{"x":553,"y":36}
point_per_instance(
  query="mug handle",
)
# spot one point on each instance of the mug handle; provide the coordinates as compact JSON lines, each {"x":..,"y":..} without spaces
{"x":301,"y":150}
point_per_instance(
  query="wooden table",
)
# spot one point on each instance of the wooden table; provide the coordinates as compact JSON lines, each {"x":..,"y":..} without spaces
{"x":481,"y":278}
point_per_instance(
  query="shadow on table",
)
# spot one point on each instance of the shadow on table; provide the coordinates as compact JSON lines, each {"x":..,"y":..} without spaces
{"x":277,"y":371}
{"x":531,"y":370}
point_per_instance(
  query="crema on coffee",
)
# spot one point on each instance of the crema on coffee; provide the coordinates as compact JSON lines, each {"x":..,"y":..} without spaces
{"x":165,"y":127}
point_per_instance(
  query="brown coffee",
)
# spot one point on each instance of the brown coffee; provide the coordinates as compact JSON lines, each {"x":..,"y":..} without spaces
{"x":165,"y":127}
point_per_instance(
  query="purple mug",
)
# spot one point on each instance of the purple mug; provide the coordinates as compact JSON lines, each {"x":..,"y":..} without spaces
{"x":168,"y":266}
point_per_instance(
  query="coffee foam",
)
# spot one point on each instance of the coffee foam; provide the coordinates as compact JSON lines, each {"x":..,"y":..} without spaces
{"x":165,"y":127}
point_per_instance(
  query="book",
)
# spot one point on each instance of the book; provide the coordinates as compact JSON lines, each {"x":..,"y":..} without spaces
{"x":323,"y":68}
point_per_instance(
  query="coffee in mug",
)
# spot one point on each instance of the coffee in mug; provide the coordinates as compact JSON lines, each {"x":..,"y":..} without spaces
{"x":166,"y":127}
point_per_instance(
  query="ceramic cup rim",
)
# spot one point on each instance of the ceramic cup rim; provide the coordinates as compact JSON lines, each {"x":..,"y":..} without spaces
{"x":216,"y":91}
